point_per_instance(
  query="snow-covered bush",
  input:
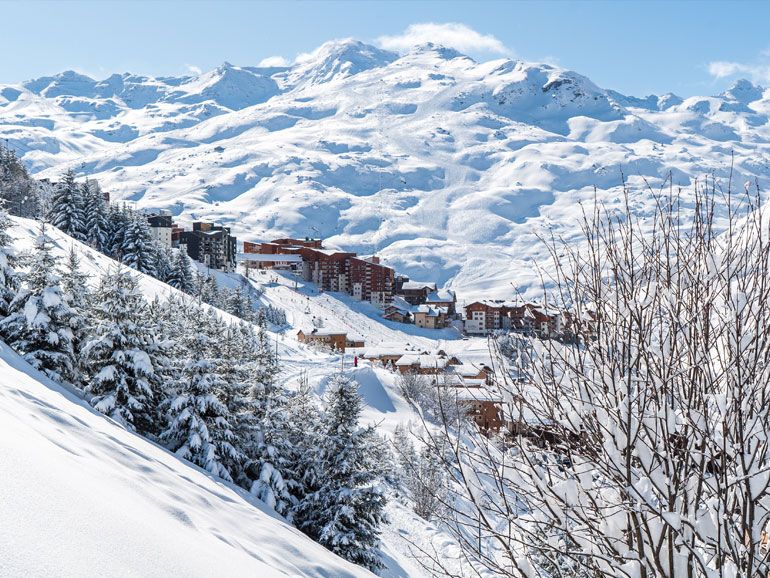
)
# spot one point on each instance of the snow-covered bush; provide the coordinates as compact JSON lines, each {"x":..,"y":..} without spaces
{"x":644,"y":450}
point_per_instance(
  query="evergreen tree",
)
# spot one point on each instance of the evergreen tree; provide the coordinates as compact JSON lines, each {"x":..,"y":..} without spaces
{"x":199,"y":427}
{"x":181,"y":275}
{"x":301,"y":438}
{"x":77,"y":294}
{"x":96,"y":216}
{"x":66,"y":211}
{"x":345,"y":512}
{"x":39,"y":324}
{"x":139,"y":249}
{"x":119,"y":353}
{"x":266,"y":425}
{"x":118,"y":220}
{"x":238,"y":303}
{"x":164,"y":262}
{"x":18,"y":191}
{"x":9,"y":278}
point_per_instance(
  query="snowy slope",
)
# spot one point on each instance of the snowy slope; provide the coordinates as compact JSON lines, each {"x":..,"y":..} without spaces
{"x":446,"y":167}
{"x":81,"y":496}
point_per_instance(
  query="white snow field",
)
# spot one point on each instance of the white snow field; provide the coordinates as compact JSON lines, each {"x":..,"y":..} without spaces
{"x":447,"y":168}
{"x":80,"y":496}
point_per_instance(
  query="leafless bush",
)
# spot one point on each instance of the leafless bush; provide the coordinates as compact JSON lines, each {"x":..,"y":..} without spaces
{"x":645,"y":447}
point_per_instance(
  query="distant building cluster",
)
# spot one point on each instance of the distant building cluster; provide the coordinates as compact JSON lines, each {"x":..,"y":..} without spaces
{"x":546,"y":322}
{"x":207,"y":243}
{"x":365,"y":278}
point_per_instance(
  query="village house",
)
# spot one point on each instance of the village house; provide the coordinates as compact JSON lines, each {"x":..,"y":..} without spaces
{"x":384,"y":355}
{"x":422,"y":363}
{"x":444,"y":298}
{"x":430,"y":317}
{"x":415,"y":292}
{"x":336,"y":340}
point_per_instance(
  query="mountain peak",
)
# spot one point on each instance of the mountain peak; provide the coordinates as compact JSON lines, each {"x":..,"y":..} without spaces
{"x":744,"y":91}
{"x":336,"y":59}
{"x":443,"y":52}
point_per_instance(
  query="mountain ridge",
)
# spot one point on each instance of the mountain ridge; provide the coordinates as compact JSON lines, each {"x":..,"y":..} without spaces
{"x":448,"y":168}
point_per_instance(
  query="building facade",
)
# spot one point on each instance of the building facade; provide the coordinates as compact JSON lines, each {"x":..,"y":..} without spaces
{"x":210,"y":244}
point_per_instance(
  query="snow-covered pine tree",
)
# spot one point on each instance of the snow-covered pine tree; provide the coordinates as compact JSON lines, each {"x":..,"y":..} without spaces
{"x":164,"y":262}
{"x":301,"y":438}
{"x":139,"y":249}
{"x":181,"y":275}
{"x":66,"y":210}
{"x":199,"y":427}
{"x":96,"y":216}
{"x":119,"y":353}
{"x":39,"y":324}
{"x":76,"y":292}
{"x":18,"y":191}
{"x":265,"y":424}
{"x":118,"y":219}
{"x":345,"y":512}
{"x":238,"y":303}
{"x":9,"y":277}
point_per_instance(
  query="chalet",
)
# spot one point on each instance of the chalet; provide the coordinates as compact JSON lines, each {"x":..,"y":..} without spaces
{"x":415,"y":292}
{"x":443,"y":298}
{"x":473,"y":375}
{"x":354,"y":342}
{"x":336,"y":340}
{"x":210,"y":244}
{"x":384,"y":355}
{"x":430,"y":317}
{"x":483,"y":406}
{"x":422,"y":363}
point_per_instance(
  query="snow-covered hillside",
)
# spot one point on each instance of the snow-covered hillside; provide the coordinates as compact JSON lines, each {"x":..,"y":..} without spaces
{"x":81,"y":496}
{"x":446,"y":167}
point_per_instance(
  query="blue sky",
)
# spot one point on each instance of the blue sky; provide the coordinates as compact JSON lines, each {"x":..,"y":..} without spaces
{"x":635,"y":47}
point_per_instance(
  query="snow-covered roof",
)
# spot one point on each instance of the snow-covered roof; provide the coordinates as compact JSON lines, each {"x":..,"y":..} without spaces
{"x":374,"y":352}
{"x":424,"y":361}
{"x":441,"y":296}
{"x":323,"y":332}
{"x":430,"y":310}
{"x":417,"y":285}
{"x":467,"y":370}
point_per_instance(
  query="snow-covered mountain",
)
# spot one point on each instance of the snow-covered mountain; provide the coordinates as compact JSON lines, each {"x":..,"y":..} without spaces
{"x":446,"y":167}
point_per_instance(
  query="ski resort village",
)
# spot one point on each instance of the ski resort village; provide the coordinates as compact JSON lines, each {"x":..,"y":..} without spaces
{"x":407,"y":308}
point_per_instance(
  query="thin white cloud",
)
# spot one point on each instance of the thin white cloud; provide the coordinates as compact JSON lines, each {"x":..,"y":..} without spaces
{"x":271,"y":61}
{"x":194,"y":69}
{"x":451,"y":34}
{"x":757,"y":72}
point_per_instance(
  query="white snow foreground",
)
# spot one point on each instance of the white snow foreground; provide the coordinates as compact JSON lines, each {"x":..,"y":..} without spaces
{"x":81,"y":496}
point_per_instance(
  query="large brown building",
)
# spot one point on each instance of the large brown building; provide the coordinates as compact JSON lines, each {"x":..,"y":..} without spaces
{"x":332,"y":270}
{"x":370,"y":281}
